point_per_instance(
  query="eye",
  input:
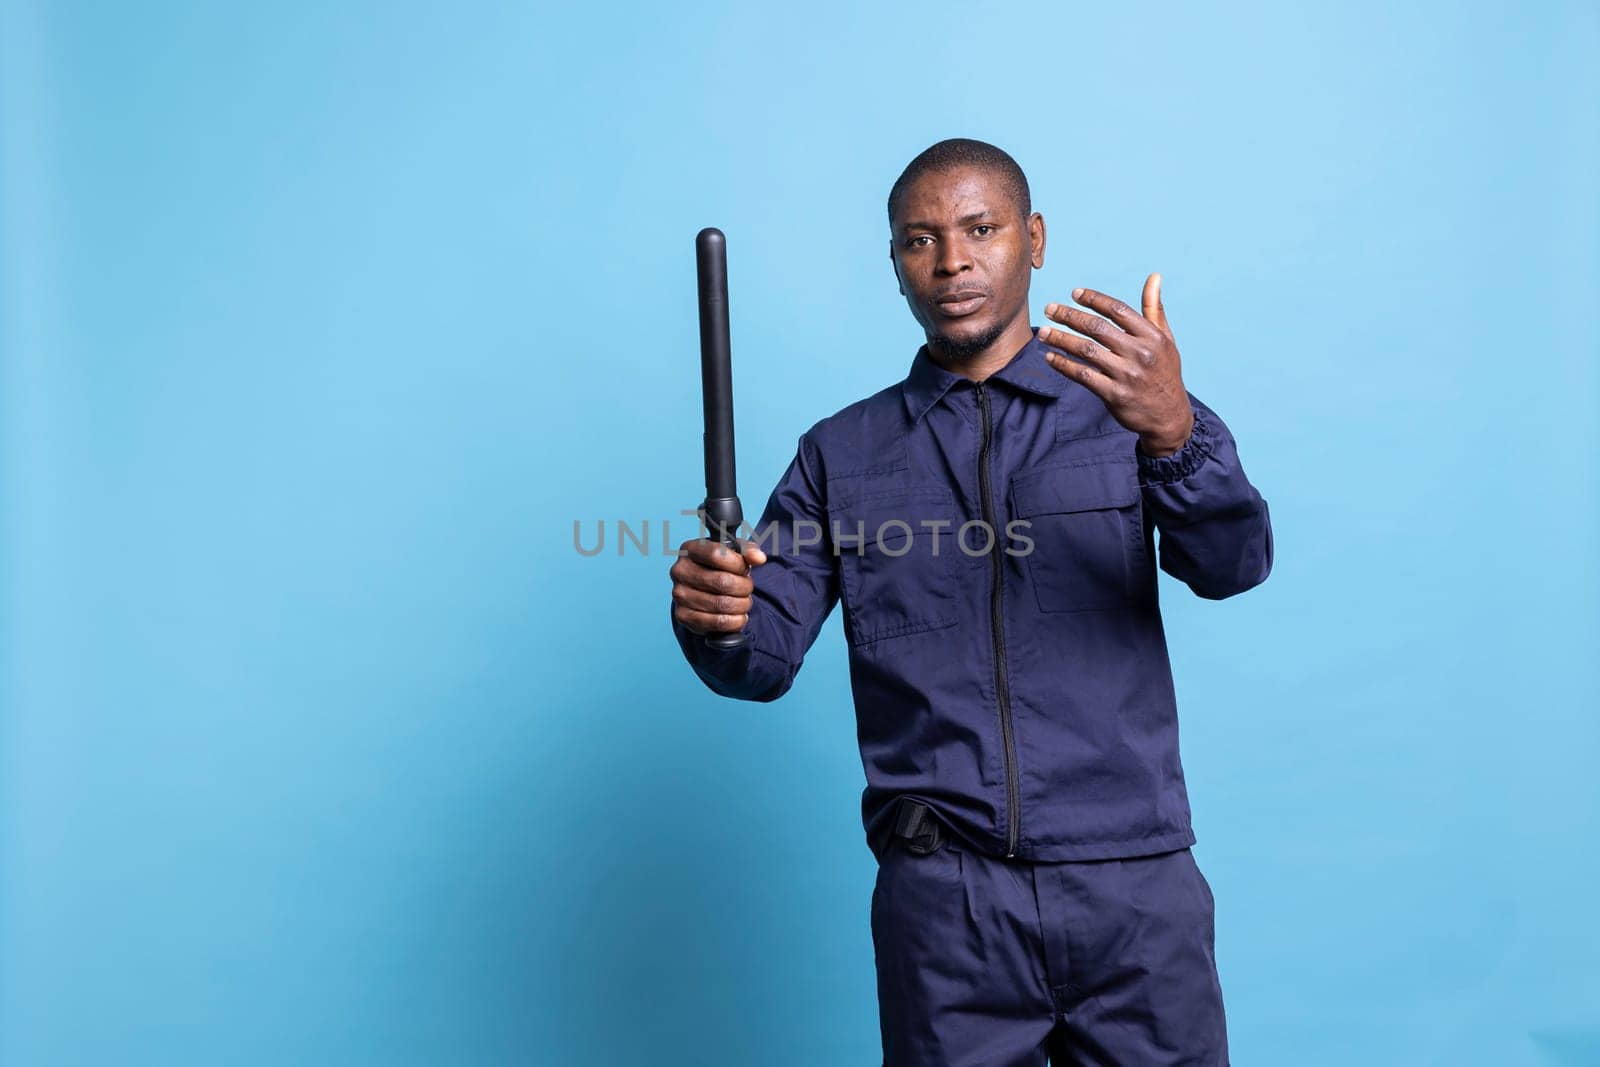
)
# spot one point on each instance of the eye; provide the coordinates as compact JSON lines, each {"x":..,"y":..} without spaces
{"x":982,"y":226}
{"x":921,"y":237}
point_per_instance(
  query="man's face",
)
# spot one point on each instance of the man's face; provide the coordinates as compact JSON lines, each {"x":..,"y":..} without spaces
{"x":964,"y":255}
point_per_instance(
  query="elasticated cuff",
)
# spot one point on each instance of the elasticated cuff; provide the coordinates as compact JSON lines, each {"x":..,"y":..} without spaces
{"x":1162,"y":470}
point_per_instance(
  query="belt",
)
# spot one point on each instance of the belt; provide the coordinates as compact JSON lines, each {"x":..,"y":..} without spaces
{"x":915,"y":822}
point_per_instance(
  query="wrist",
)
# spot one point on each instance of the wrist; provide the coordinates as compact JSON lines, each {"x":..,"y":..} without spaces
{"x":1159,"y":446}
{"x":1157,"y":470}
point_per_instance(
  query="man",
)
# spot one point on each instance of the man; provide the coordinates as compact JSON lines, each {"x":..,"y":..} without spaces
{"x":989,"y":525}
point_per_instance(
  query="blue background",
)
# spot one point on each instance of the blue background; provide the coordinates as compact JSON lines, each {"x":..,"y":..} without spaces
{"x":320,"y":741}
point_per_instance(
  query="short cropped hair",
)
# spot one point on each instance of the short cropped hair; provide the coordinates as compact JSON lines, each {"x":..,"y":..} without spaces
{"x":956,"y":152}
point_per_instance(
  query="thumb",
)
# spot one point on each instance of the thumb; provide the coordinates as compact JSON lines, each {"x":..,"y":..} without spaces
{"x":1153,"y":308}
{"x":754,"y":554}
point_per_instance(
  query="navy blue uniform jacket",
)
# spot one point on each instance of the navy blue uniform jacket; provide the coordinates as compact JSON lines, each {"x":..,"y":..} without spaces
{"x":1018,"y":683}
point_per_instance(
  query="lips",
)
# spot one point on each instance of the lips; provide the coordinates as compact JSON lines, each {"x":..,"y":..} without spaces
{"x":962,"y":302}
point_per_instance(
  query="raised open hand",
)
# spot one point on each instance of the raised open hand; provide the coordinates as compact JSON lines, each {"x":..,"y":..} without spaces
{"x":1130,"y":361}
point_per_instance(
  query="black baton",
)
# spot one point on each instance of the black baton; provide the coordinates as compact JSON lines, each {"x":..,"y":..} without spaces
{"x":721,"y":509}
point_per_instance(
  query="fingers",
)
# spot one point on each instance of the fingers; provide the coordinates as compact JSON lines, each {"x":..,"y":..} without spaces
{"x":1154,"y":310}
{"x":1104,"y":334}
{"x":707,"y":612}
{"x":706,"y":568}
{"x":1089,"y":350}
{"x":701,"y":623}
{"x":1115,"y":310}
{"x":714,"y":554}
{"x":1124,"y":317}
{"x":711,"y":585}
{"x":1094,"y":381}
{"x":1097,"y":367}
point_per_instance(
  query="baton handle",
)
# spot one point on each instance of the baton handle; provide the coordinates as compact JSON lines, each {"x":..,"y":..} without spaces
{"x":723,"y":516}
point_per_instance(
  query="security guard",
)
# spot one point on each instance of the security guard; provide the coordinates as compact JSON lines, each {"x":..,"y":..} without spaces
{"x":989,"y":524}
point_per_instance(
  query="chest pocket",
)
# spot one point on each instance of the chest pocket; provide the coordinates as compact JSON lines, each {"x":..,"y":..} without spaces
{"x":1087,"y":525}
{"x":899,"y":562}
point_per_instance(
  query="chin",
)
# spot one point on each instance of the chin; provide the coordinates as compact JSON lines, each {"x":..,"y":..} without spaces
{"x":967,"y":337}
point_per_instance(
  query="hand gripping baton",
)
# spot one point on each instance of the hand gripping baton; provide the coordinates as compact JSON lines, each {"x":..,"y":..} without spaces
{"x":721,"y":509}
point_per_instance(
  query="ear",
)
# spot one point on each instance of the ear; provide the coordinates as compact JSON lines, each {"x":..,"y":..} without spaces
{"x":1036,"y":239}
{"x":895,"y":264}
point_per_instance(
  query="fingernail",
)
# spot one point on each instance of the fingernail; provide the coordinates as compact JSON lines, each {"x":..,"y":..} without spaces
{"x":1076,"y":293}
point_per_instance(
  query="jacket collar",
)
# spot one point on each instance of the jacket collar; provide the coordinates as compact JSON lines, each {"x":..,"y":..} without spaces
{"x":1027,"y":370}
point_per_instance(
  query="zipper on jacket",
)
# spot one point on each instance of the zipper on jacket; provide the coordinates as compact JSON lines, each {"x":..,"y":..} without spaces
{"x":996,"y":626}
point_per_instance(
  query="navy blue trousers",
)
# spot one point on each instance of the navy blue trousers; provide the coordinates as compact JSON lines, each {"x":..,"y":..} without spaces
{"x":988,"y":962}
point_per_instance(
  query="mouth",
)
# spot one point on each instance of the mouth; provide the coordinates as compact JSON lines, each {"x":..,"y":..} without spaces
{"x":955,"y":305}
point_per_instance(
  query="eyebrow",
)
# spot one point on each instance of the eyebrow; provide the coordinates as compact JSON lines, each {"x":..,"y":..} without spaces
{"x":962,"y":221}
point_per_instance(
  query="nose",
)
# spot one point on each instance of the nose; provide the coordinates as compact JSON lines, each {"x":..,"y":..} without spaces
{"x":953,"y":257}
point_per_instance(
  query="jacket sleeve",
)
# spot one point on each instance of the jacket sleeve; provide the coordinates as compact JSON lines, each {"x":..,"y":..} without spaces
{"x":1216,"y":534}
{"x":795,"y":591}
